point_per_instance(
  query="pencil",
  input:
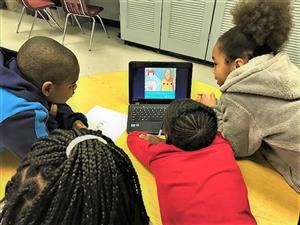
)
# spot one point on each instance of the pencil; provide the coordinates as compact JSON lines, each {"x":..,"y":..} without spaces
{"x":160,"y":130}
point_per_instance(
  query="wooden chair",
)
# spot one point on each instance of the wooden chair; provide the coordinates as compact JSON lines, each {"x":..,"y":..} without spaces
{"x":80,"y":8}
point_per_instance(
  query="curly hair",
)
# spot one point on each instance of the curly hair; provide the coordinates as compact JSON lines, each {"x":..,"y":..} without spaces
{"x":97,"y":184}
{"x":261,"y":27}
{"x":189,"y":125}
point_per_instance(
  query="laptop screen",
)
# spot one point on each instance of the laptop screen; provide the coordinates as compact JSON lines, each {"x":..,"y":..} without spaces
{"x":159,"y":82}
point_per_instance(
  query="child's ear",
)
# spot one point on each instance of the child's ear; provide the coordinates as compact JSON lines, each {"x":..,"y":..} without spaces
{"x":239,"y":62}
{"x":47,"y":88}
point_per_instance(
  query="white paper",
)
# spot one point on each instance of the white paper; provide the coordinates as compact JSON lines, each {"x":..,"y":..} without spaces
{"x":110,"y":122}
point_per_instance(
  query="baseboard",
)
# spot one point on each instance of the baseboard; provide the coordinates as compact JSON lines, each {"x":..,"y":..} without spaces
{"x":164,"y":52}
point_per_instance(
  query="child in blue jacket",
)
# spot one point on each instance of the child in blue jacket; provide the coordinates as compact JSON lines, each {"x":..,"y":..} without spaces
{"x":35,"y":83}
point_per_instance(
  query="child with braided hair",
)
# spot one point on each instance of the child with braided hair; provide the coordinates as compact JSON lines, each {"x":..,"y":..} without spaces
{"x":74,"y":177}
{"x":198,"y":180}
{"x":259,"y":108}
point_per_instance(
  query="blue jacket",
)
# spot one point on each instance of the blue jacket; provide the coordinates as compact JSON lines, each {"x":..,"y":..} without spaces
{"x":24,"y":112}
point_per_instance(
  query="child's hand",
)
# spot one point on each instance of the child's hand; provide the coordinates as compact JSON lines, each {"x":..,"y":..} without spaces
{"x":78,"y":124}
{"x":53,"y":110}
{"x":207,"y":99}
{"x":151,"y":138}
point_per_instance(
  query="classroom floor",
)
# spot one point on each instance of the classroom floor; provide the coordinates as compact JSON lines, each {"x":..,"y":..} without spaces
{"x":107,"y":55}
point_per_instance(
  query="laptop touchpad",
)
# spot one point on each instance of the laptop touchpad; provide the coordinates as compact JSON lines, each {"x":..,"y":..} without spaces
{"x":156,"y":127}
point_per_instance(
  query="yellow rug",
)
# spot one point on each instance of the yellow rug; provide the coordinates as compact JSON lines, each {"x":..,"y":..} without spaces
{"x":272,"y":201}
{"x":8,"y":165}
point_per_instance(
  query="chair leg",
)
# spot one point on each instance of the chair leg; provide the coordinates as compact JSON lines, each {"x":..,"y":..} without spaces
{"x":41,"y":14}
{"x":55,"y":8}
{"x":65,"y":28}
{"x":72,"y":21}
{"x":92,"y":34}
{"x":50,"y":11}
{"x":58,"y":13}
{"x":32,"y":25}
{"x":103,"y":26}
{"x":78,"y":23}
{"x":22,"y":13}
{"x":53,"y":20}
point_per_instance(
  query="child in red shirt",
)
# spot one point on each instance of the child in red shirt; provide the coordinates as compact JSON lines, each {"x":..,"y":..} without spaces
{"x":198,"y":180}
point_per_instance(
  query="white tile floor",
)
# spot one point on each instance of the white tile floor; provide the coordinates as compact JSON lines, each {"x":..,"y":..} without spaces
{"x":107,"y":55}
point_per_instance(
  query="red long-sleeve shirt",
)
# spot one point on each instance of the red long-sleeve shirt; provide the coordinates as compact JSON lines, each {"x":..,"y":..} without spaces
{"x":200,"y":187}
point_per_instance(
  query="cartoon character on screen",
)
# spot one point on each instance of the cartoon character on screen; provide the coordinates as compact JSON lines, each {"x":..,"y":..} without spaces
{"x":168,"y":83}
{"x":152,"y":82}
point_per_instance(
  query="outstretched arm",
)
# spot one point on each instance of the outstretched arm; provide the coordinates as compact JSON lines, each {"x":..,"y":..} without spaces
{"x":145,"y":147}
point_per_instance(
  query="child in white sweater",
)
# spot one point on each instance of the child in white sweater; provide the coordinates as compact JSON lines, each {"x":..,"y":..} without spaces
{"x":259,"y":108}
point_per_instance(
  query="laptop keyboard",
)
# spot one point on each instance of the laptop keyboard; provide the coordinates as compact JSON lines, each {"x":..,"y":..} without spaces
{"x":148,"y":113}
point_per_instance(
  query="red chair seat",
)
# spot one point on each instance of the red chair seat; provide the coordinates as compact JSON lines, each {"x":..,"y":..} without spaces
{"x":93,"y":10}
{"x":39,"y":4}
{"x":81,"y":8}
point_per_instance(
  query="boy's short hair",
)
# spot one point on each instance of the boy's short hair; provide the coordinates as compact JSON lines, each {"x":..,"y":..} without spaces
{"x":42,"y":59}
{"x":190,"y":125}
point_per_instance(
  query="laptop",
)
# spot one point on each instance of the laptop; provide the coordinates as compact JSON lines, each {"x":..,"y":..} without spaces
{"x":152,"y":86}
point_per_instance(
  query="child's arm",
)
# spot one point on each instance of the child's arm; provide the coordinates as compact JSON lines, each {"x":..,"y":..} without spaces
{"x":67,"y":119}
{"x":144,"y":150}
{"x":239,"y":127}
{"x":151,"y":138}
{"x":19,"y":132}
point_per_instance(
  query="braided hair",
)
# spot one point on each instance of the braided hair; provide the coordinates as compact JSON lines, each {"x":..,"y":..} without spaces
{"x":261,"y":27}
{"x":189,"y":125}
{"x":97,"y":184}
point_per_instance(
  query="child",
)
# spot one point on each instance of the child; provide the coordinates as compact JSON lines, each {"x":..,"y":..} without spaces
{"x":40,"y":78}
{"x":198,"y":180}
{"x":74,"y":177}
{"x":260,"y":103}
